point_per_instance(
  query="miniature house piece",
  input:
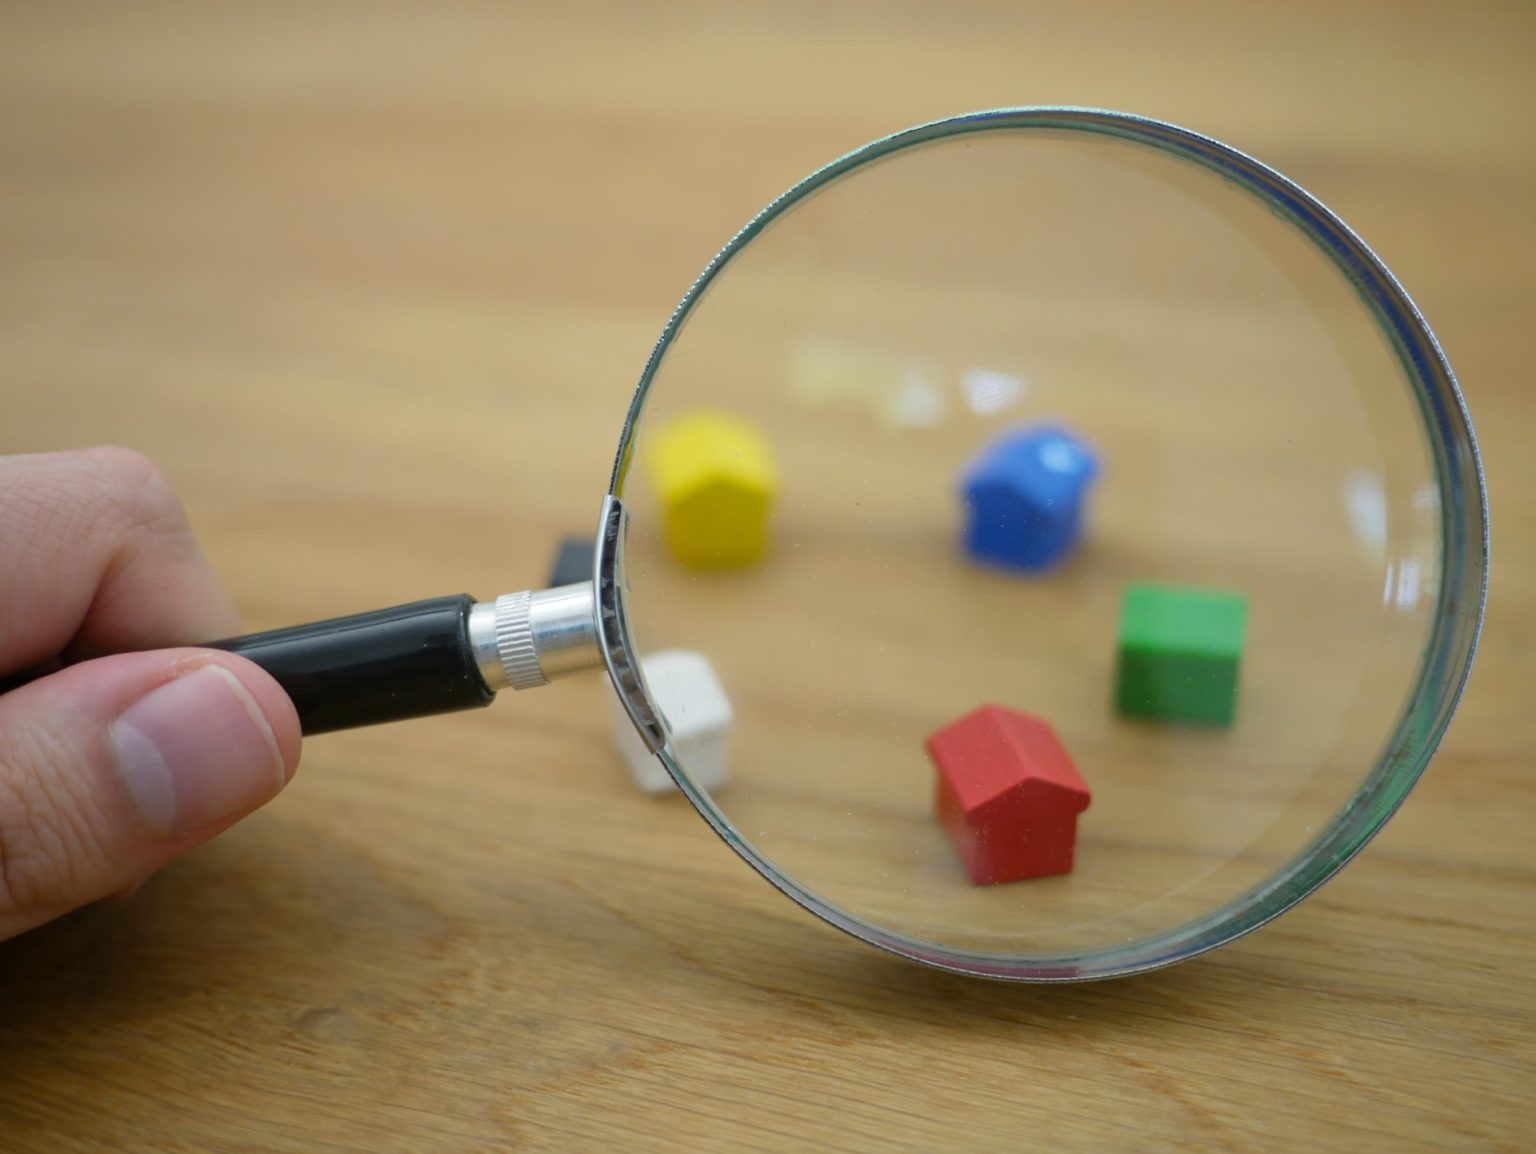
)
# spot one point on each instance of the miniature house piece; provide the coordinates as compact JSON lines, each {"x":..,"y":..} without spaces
{"x":1179,"y":654}
{"x":1008,"y":795}
{"x":572,"y":564}
{"x":1024,"y":497}
{"x":683,"y":686}
{"x":717,"y":482}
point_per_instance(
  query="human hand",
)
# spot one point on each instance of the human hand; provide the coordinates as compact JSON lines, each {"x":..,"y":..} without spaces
{"x":112,"y":766}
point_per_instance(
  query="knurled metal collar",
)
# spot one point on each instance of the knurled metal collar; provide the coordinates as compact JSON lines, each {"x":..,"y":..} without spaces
{"x":514,"y":642}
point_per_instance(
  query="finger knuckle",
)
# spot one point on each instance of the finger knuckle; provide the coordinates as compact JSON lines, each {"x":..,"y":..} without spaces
{"x":138,"y":488}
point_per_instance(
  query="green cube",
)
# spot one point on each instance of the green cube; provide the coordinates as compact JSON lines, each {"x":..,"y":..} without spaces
{"x":1179,"y":653}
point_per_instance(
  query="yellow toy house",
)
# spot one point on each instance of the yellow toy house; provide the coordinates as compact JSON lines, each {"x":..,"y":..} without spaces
{"x":717,"y":482}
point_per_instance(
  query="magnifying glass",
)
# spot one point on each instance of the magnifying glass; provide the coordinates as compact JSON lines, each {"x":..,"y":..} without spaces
{"x":1083,"y":528}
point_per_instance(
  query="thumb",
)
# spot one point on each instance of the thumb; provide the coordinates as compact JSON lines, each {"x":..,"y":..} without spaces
{"x":112,"y":768}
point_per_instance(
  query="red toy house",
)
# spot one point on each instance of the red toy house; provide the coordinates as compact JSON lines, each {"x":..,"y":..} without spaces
{"x":1008,"y":795}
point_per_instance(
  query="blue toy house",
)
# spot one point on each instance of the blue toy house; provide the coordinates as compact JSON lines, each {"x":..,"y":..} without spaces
{"x":1024,"y":497}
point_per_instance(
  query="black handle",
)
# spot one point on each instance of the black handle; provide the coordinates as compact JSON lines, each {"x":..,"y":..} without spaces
{"x":409,"y":661}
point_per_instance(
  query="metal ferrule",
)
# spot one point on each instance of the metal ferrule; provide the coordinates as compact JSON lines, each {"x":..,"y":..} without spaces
{"x":522,"y":640}
{"x":526,"y":639}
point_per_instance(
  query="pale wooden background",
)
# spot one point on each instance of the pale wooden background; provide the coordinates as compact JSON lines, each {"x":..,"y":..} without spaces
{"x":317,"y":259}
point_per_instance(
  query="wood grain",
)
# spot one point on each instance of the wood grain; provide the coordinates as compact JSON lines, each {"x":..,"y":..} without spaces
{"x":318,"y":260}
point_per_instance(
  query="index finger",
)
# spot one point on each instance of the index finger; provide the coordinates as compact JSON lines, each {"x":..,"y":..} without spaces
{"x":96,"y":556}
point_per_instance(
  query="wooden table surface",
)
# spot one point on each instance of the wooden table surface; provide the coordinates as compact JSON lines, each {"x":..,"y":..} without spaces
{"x":317,"y":259}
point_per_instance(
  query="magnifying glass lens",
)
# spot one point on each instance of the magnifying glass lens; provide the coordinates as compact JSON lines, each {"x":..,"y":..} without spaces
{"x":1070,"y":417}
